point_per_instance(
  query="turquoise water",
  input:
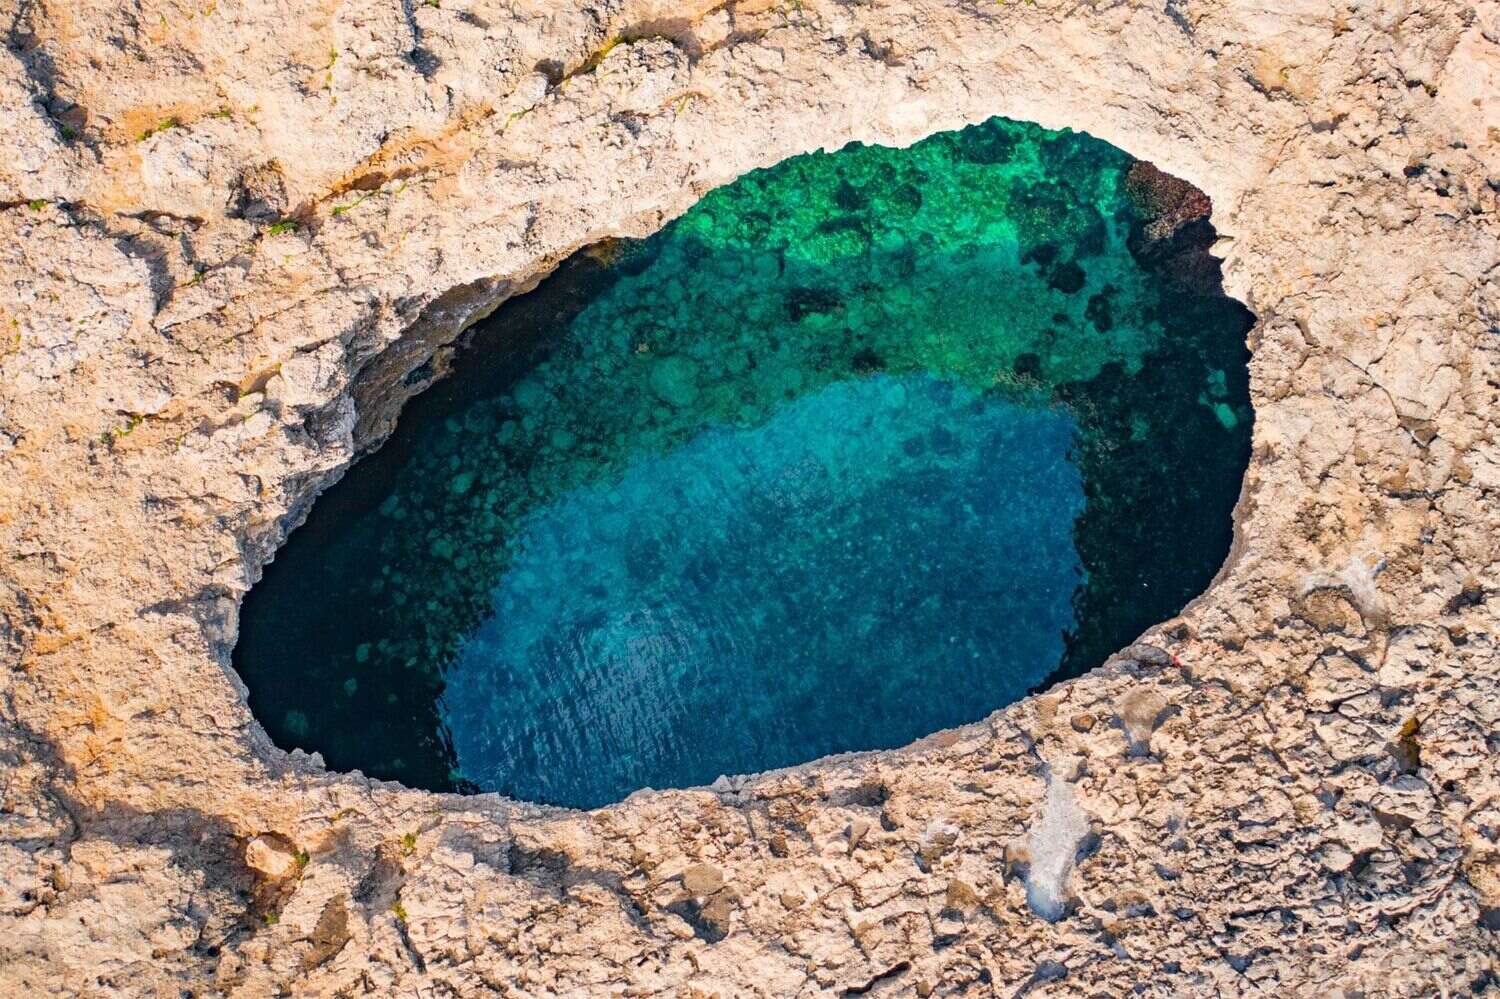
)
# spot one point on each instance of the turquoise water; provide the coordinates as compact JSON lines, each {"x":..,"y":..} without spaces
{"x":864,"y":446}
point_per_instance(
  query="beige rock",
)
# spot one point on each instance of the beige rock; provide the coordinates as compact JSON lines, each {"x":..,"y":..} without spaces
{"x":702,"y":879}
{"x":1139,"y":712}
{"x":857,"y":831}
{"x":961,"y":896}
{"x":242,"y":343}
{"x":270,"y":857}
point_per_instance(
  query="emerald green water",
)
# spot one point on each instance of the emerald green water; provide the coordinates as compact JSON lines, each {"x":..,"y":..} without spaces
{"x":865,"y":445}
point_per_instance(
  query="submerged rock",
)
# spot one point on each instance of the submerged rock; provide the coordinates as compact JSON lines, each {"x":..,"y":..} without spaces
{"x":1173,"y":236}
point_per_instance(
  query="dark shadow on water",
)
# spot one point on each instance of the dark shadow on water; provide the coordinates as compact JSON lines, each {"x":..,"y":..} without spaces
{"x":495,"y":355}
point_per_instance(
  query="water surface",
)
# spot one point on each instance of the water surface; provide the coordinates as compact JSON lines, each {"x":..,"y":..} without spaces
{"x":865,"y":445}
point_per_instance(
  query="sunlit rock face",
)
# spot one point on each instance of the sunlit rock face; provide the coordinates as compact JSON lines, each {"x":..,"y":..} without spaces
{"x":864,"y":446}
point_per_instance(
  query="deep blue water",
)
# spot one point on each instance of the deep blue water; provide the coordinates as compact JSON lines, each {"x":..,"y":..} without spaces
{"x":765,"y":594}
{"x":864,"y":446}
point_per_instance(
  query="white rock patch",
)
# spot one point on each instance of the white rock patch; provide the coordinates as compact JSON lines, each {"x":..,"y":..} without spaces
{"x":1053,"y":845}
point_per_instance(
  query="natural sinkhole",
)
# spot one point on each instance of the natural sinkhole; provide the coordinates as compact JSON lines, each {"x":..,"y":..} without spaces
{"x":864,"y":446}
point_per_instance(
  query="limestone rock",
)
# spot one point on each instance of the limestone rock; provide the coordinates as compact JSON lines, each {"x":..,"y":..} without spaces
{"x":227,"y":238}
{"x":271,"y":856}
{"x":1139,"y":712}
{"x":702,"y":879}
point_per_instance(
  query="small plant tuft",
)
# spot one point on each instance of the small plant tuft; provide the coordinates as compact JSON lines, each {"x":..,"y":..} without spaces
{"x":37,"y":204}
{"x":115,"y":433}
{"x":399,"y":911}
{"x":1407,"y":750}
{"x":408,"y":843}
{"x":285,"y":225}
{"x":341,"y":209}
{"x":160,"y":126}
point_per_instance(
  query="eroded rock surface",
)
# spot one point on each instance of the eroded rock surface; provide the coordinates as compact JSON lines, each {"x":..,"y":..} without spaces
{"x":229,"y":233}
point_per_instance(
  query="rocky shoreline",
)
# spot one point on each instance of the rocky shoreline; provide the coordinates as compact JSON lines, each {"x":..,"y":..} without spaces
{"x":231,"y":237}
